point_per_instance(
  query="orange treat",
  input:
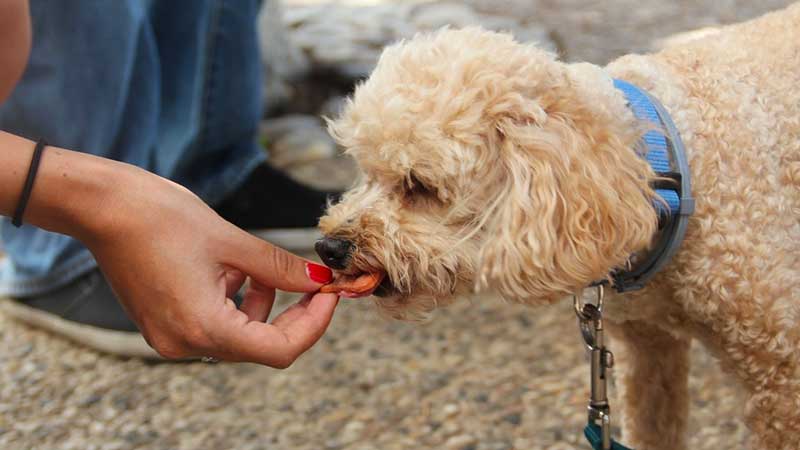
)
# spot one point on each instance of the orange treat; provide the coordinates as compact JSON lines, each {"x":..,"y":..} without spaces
{"x":360,"y":284}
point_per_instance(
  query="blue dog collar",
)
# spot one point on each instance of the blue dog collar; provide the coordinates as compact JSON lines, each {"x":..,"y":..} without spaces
{"x":664,"y":150}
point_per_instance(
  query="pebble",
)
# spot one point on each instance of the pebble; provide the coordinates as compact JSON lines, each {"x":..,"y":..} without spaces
{"x":513,"y":418}
{"x":460,"y":442}
{"x":301,"y":146}
{"x":352,"y":432}
{"x":328,"y":174}
{"x":449,"y":410}
{"x":438,"y":15}
{"x":349,"y":39}
{"x":333,"y":107}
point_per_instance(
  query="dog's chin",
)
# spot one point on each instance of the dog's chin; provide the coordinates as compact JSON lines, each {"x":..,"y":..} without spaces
{"x":386,"y":289}
{"x":413,"y":307}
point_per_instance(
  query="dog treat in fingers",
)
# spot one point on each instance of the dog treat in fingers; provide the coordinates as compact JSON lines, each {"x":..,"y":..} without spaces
{"x":354,"y":285}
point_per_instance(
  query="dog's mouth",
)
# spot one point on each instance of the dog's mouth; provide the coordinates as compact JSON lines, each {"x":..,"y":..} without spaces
{"x":356,"y":285}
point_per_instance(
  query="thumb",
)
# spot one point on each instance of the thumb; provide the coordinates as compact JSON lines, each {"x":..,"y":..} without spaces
{"x":275,"y":267}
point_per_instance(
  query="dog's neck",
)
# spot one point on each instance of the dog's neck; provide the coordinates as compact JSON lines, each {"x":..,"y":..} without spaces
{"x":616,"y":96}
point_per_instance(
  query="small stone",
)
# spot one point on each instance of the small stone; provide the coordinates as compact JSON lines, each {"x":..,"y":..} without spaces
{"x":327,"y":174}
{"x":451,"y":428}
{"x":333,"y":107}
{"x":460,"y":442}
{"x":482,"y":397}
{"x":89,"y":400}
{"x":436,"y":15}
{"x":277,"y":128}
{"x":513,"y":418}
{"x":352,"y":432}
{"x":449,"y":410}
{"x":115,"y":445}
{"x":560,"y":446}
{"x":96,"y":428}
{"x":312,"y":144}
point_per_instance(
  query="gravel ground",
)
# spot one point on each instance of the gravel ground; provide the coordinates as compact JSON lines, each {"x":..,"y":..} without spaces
{"x":482,"y":375}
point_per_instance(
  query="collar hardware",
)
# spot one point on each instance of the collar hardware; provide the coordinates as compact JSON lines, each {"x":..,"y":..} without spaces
{"x":664,"y":150}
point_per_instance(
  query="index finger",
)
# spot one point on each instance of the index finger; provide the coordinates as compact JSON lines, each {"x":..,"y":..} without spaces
{"x":275,"y":267}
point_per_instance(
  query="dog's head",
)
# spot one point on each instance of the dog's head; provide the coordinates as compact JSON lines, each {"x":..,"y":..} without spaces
{"x":487,"y":164}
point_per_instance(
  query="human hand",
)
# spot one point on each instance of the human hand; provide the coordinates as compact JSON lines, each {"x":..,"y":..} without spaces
{"x":175,"y":264}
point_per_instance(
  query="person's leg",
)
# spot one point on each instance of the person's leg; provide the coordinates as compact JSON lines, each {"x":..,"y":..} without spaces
{"x":170,"y":86}
{"x":91,"y":85}
{"x":214,"y":112}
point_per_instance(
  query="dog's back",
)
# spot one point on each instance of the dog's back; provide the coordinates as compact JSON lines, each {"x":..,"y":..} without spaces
{"x":735,"y":97}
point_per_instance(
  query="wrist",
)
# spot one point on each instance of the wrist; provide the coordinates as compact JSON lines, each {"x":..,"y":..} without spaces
{"x":73,"y":192}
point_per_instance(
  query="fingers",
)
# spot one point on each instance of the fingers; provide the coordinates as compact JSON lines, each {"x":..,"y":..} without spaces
{"x":304,"y":329}
{"x":258,"y":301}
{"x":275,"y":267}
{"x":234,"y":279}
{"x":293,"y":312}
{"x":278,"y":344}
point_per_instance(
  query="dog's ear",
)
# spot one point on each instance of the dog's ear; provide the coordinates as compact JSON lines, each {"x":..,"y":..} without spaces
{"x":570,"y":203}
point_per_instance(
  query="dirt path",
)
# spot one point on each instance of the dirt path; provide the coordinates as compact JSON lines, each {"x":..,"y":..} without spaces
{"x":482,"y":375}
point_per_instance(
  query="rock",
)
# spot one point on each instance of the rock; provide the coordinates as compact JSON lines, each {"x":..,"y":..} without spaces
{"x":513,"y":418}
{"x":494,"y":446}
{"x":334,"y":107}
{"x":449,"y":410}
{"x":97,"y":427}
{"x":327,"y":174}
{"x":460,"y":442}
{"x":274,"y":129}
{"x":350,"y":39}
{"x":561,"y":446}
{"x":301,"y":146}
{"x":282,"y":59}
{"x":432,"y":16}
{"x":89,"y":400}
{"x":518,"y":8}
{"x":352,"y":432}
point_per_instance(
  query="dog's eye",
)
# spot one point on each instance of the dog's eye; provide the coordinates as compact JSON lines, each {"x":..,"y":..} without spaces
{"x":416,"y":188}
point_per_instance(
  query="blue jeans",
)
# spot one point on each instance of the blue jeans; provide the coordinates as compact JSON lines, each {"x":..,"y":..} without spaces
{"x":173,"y":86}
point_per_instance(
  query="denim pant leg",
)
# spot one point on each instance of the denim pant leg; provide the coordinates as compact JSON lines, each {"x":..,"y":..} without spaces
{"x":172,"y":86}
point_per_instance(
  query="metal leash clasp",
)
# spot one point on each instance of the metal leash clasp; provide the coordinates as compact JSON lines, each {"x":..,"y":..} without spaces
{"x":590,"y":321}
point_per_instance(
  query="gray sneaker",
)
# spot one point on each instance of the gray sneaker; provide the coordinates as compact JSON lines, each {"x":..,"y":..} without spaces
{"x":85,"y":311}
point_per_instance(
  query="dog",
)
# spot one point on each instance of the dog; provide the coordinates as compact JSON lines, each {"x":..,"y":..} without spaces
{"x":490,"y":166}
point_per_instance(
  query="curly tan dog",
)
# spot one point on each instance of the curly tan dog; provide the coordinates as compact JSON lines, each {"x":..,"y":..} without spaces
{"x":490,"y":166}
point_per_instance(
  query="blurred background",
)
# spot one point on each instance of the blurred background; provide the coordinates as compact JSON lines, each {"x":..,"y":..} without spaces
{"x":481,"y":375}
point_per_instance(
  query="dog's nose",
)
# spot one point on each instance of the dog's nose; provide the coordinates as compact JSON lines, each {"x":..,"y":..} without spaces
{"x":335,"y":253}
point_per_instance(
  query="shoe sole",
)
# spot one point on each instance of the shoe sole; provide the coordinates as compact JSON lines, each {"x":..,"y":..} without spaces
{"x":292,"y":239}
{"x":118,"y":343}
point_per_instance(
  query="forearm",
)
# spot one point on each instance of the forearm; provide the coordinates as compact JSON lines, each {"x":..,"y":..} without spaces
{"x":70,"y":188}
{"x":15,"y":43}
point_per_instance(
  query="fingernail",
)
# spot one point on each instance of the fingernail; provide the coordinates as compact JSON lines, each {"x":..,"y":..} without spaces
{"x":318,"y":273}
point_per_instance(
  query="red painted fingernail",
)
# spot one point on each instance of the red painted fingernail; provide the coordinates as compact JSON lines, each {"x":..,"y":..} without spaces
{"x":318,"y":273}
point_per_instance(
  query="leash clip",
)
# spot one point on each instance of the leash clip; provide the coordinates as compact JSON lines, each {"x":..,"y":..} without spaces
{"x":590,"y":322}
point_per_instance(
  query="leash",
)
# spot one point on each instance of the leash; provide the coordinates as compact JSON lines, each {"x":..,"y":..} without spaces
{"x":590,"y":322}
{"x":665,"y":152}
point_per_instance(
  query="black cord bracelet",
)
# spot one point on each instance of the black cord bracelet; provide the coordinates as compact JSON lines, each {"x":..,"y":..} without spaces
{"x":26,"y":190}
